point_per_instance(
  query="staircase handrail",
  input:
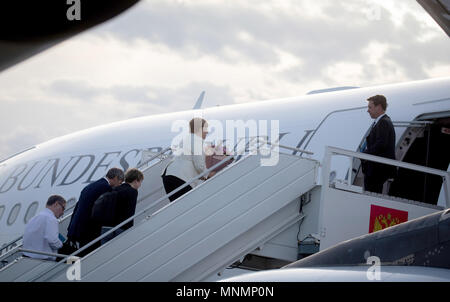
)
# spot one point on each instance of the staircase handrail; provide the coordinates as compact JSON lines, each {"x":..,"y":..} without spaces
{"x":10,"y":251}
{"x":14,"y":249}
{"x":109,"y":232}
{"x":329,"y":151}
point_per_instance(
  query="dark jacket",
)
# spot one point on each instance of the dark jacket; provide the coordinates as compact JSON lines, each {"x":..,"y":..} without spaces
{"x":126,"y":204}
{"x":81,"y":228}
{"x":380,"y":142}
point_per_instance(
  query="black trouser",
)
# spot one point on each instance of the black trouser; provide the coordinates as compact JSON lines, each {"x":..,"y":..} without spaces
{"x":110,"y":236}
{"x":171,"y":183}
{"x":374,"y":184}
{"x":84,"y":242}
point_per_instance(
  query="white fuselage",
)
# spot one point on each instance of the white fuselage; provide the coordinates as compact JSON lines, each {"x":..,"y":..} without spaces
{"x":66,"y":164}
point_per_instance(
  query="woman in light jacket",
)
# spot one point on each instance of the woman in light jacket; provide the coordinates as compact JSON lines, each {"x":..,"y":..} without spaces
{"x":189,"y":160}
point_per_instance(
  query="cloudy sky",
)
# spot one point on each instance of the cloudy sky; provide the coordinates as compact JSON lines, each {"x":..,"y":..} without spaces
{"x":158,"y":56}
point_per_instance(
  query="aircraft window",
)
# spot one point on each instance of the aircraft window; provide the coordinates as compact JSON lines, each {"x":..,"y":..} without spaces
{"x":31,"y":211}
{"x":2,"y":210}
{"x":14,"y":213}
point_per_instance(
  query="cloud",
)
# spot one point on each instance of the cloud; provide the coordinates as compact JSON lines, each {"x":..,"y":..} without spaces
{"x":243,"y":32}
{"x":79,"y":90}
{"x":20,"y":139}
{"x":142,"y":94}
{"x":160,"y":55}
{"x":81,"y":105}
{"x":198,"y":29}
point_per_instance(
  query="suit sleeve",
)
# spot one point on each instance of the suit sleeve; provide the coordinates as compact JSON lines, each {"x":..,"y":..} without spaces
{"x":130,"y":208}
{"x":381,"y":139}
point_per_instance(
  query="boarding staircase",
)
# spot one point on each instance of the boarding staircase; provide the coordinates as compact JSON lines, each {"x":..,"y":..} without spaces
{"x":11,"y":251}
{"x":246,"y":209}
{"x":198,"y":235}
{"x":151,"y":163}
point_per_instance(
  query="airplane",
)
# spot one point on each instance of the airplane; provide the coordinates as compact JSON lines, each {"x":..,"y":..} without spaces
{"x":66,"y":164}
{"x":439,"y":10}
{"x":307,"y":124}
{"x":52,"y":23}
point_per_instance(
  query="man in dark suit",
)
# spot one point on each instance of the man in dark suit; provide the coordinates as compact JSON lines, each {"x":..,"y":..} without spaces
{"x":127,"y":194}
{"x":81,"y":229}
{"x":380,"y":142}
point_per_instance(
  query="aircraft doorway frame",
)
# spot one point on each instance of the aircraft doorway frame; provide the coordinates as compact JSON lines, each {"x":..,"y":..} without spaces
{"x":424,"y":126}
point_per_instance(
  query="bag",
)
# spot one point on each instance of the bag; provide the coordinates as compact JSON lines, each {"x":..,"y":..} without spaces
{"x":68,"y":247}
{"x":104,"y":209}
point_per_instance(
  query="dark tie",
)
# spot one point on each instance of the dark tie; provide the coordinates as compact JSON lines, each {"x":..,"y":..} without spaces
{"x":364,"y":144}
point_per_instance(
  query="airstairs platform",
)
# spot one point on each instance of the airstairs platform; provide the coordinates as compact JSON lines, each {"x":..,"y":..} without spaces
{"x":23,"y":269}
{"x":199,"y":234}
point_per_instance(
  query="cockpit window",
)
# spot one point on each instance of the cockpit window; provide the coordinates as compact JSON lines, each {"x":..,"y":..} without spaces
{"x":31,"y":211}
{"x":14,"y":213}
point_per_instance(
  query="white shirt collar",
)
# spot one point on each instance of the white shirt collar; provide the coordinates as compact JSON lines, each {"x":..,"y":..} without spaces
{"x":378,"y":118}
{"x":49,"y":212}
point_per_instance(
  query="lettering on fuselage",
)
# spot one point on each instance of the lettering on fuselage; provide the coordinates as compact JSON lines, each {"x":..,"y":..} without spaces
{"x":63,"y":172}
{"x":84,"y":168}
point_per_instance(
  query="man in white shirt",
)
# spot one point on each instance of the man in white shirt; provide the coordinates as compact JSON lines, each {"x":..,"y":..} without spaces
{"x":41,"y":233}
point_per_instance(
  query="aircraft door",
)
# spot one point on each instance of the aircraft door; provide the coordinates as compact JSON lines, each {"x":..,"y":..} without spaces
{"x":426,"y":146}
